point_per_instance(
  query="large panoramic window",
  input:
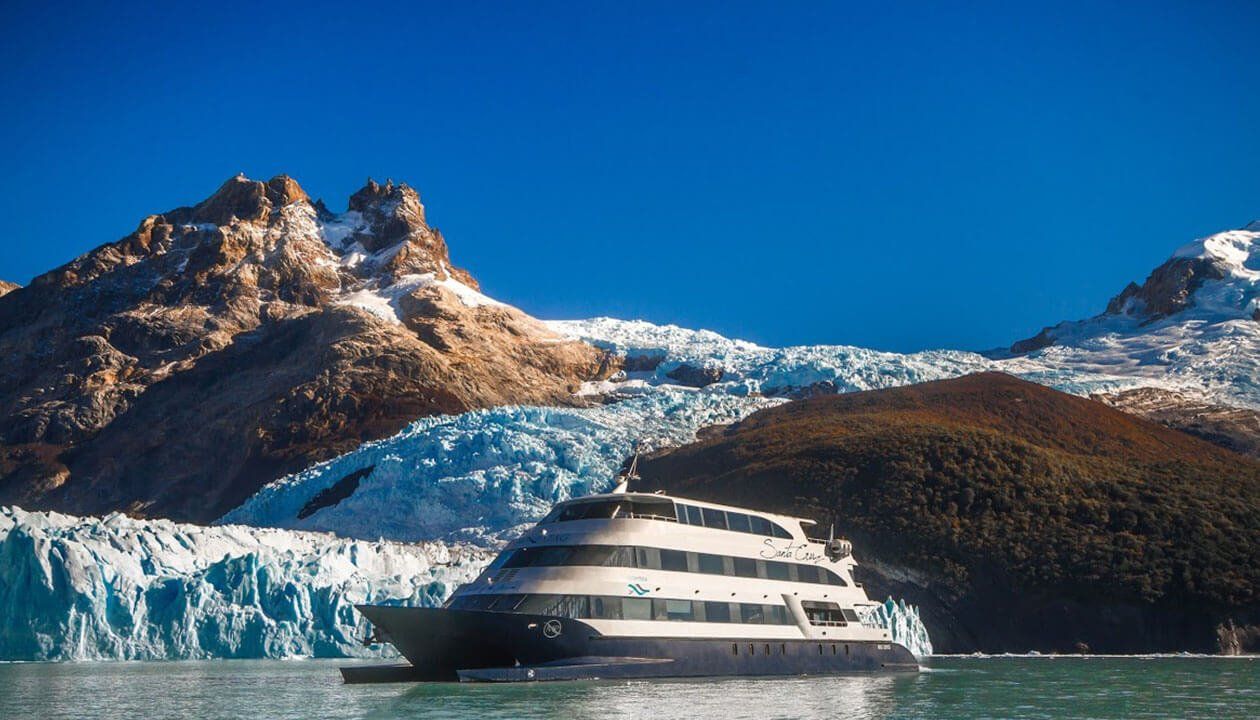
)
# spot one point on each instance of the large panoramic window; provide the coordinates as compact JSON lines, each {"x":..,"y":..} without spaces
{"x":825,"y":613}
{"x":726,"y":520}
{"x":667,"y":510}
{"x":673,"y":560}
{"x":650,"y":509}
{"x":602,"y":607}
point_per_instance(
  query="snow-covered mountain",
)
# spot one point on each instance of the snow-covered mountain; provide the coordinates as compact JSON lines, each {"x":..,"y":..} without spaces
{"x":1193,"y":326}
{"x":220,"y":346}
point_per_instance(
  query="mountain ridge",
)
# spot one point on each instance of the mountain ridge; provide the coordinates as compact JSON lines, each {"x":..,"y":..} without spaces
{"x":307,"y":332}
{"x":1230,"y":257}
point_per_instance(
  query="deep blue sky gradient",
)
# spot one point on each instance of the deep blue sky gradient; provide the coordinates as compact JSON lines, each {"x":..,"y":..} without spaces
{"x":899,"y":176}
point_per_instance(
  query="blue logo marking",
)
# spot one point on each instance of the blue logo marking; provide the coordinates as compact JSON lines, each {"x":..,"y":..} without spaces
{"x":638,"y":589}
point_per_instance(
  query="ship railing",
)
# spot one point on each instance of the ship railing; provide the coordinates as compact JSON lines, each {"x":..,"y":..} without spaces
{"x":649,"y":516}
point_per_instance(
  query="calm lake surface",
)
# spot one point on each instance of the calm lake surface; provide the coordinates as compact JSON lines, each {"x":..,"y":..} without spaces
{"x":999,"y":687}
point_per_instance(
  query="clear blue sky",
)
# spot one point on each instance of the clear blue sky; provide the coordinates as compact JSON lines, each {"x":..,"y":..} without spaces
{"x":902,"y":177}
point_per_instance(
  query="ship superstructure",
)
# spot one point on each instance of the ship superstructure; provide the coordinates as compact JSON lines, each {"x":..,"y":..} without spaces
{"x":647,"y":585}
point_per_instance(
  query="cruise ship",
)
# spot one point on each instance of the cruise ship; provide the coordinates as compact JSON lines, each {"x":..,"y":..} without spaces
{"x":636,"y":585}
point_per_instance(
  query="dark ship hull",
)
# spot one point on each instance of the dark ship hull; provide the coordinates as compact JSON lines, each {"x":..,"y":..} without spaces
{"x":470,"y":645}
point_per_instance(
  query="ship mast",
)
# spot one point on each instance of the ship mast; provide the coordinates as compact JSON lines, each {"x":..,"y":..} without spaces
{"x":623,"y":480}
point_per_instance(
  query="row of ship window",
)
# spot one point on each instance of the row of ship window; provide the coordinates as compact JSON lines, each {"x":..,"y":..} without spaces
{"x":647,"y":558}
{"x":669,"y":511}
{"x":726,"y":520}
{"x":606,"y":607}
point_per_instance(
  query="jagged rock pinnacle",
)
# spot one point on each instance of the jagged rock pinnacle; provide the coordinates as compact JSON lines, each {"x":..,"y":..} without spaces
{"x":245,"y":199}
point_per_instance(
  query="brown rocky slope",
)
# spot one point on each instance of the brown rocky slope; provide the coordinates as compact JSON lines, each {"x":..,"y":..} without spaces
{"x":1017,"y":517}
{"x":1235,"y":428}
{"x":222,"y":345}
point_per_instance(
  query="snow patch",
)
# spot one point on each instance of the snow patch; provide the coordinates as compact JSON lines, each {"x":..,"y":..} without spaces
{"x":383,"y":301}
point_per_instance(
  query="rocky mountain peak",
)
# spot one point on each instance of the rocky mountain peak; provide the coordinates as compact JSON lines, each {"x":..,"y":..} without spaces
{"x":1168,"y":289}
{"x":387,"y":222}
{"x":392,"y":214}
{"x":1214,"y":279}
{"x":7,"y":287}
{"x":255,"y":324}
{"x":244,"y":199}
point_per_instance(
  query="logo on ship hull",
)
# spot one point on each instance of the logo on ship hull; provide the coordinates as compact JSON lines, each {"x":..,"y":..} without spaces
{"x":552,"y":628}
{"x":637,"y":589}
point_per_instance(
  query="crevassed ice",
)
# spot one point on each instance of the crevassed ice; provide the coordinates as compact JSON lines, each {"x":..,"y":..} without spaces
{"x":76,"y":588}
{"x":481,"y":474}
{"x":903,"y":624}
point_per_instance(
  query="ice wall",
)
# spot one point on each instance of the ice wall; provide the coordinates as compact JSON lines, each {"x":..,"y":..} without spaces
{"x":903,"y":623}
{"x":118,"y":588}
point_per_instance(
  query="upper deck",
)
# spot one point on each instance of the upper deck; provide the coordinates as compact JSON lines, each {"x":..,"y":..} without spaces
{"x":655,"y":565}
{"x":698,"y":513}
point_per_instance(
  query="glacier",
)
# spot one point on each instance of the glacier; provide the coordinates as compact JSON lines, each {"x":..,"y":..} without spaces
{"x":481,"y":475}
{"x":117,"y":588}
{"x":485,"y":473}
{"x":420,"y":512}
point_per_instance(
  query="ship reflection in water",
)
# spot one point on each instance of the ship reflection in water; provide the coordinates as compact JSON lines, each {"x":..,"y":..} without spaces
{"x":854,"y":697}
{"x":1004,"y":687}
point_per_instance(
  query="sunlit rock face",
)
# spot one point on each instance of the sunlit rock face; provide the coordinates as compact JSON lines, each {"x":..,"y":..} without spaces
{"x":222,"y":345}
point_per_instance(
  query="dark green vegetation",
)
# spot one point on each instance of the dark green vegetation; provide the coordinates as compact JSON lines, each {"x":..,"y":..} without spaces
{"x":1018,"y":517}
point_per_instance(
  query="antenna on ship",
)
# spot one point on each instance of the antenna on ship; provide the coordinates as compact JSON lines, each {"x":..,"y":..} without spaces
{"x":623,"y":481}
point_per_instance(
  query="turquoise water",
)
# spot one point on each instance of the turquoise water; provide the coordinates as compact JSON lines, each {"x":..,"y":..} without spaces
{"x":1175,"y":687}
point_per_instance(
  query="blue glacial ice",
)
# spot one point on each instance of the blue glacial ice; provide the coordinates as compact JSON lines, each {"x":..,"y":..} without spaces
{"x":117,"y":588}
{"x":903,"y":624}
{"x":484,"y":473}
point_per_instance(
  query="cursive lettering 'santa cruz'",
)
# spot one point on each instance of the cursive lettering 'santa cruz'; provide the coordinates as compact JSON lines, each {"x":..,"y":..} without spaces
{"x":790,"y":551}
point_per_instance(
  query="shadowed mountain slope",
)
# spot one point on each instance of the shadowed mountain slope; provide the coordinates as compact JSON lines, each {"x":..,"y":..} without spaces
{"x":1018,"y":517}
